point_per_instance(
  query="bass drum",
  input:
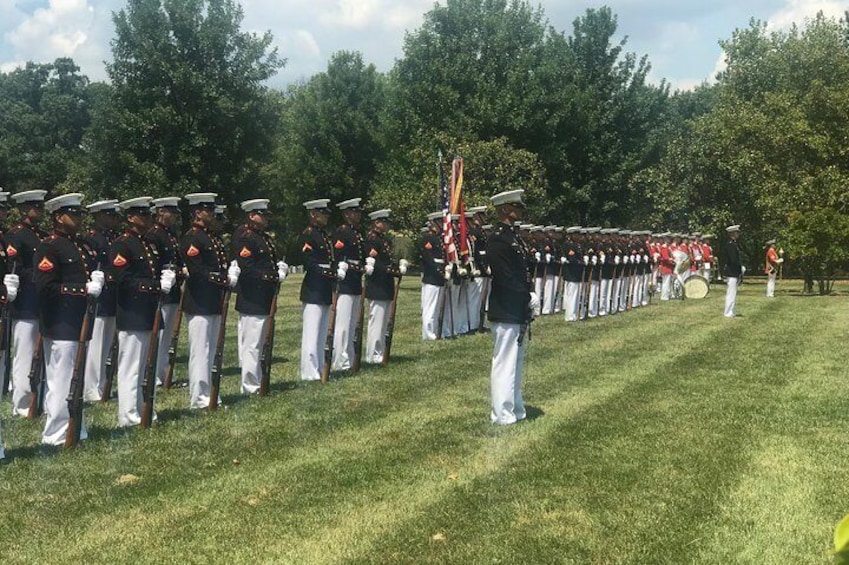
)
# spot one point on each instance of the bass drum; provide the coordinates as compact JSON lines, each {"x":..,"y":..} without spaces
{"x":696,"y":286}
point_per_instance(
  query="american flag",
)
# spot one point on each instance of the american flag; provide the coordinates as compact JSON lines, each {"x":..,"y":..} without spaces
{"x":447,"y":228}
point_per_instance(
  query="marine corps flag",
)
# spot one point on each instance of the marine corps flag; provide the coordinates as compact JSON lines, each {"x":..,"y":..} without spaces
{"x":458,"y":205}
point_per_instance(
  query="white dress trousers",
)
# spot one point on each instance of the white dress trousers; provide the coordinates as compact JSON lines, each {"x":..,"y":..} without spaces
{"x":252,"y":332}
{"x":625,"y":293}
{"x":605,"y":297}
{"x":539,"y":289}
{"x":506,"y":376}
{"x":730,"y":296}
{"x":431,"y":301}
{"x":571,"y":293}
{"x":203,"y":337}
{"x":132,"y":355}
{"x":770,"y":285}
{"x":378,"y":318}
{"x":59,"y":359}
{"x":460,"y":303}
{"x":169,"y":316}
{"x":666,"y":287}
{"x":594,"y":293}
{"x":313,"y":339}
{"x":615,"y":295}
{"x":347,"y":314}
{"x":102,"y":334}
{"x":548,"y":294}
{"x":24,"y":340}
{"x":474,"y":289}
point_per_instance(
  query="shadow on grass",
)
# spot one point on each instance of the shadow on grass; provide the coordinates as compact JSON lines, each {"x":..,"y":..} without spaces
{"x":533,"y":412}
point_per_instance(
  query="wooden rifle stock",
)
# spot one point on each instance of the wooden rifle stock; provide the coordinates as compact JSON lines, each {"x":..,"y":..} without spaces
{"x":356,"y":362}
{"x":267,"y":354}
{"x":149,"y":379}
{"x":390,"y":323}
{"x":328,"y":342}
{"x":487,"y":284}
{"x":215,"y":377}
{"x":75,"y":394}
{"x":111,"y":367}
{"x":167,"y":380}
{"x":36,"y":374}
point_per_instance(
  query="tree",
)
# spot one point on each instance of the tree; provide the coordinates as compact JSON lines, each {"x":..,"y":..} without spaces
{"x":188,"y":109}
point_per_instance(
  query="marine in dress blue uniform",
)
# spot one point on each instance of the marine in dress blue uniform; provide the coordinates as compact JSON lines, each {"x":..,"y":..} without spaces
{"x":208,"y":277}
{"x":99,"y":238}
{"x":21,"y":243}
{"x":139,"y":282}
{"x":9,"y":288}
{"x":511,"y":309}
{"x":163,"y":238}
{"x":65,"y":277}
{"x":432,"y":254}
{"x":259,"y":281}
{"x":316,"y":288}
{"x":479,"y":283}
{"x":348,"y":247}
{"x":732,"y":270}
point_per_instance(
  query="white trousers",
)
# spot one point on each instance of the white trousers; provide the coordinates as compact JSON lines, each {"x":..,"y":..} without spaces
{"x":102,"y":334}
{"x":558,"y":296}
{"x":132,"y":356}
{"x":347,"y":314}
{"x":169,"y":316}
{"x":460,"y":303}
{"x":666,"y":287}
{"x":203,"y":337}
{"x":625,"y":294}
{"x":548,"y":294}
{"x":571,"y":294}
{"x":59,"y":359}
{"x":474,"y":291}
{"x":252,"y":332}
{"x":615,"y":294}
{"x":431,"y":295}
{"x":593,"y":305}
{"x":506,"y":375}
{"x":646,"y":288}
{"x":770,"y":285}
{"x":730,"y":296}
{"x":24,"y":340}
{"x":539,"y":288}
{"x":605,"y":297}
{"x":378,"y":318}
{"x":313,"y":338}
{"x":636,"y":291}
{"x":2,"y":368}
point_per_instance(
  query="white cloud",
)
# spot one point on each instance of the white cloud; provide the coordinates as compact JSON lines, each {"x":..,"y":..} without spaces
{"x":795,"y":11}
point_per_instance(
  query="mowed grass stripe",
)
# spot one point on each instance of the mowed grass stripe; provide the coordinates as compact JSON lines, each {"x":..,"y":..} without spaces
{"x":786,"y":507}
{"x":599,"y":487}
{"x":474,"y":418}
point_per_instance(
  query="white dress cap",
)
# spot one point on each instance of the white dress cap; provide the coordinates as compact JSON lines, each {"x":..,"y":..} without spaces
{"x":573,"y":229}
{"x":103,"y":206}
{"x":29,"y":196}
{"x":4,"y":197}
{"x":72,"y":200}
{"x":142,"y":202}
{"x":255,"y":204}
{"x":476,"y":210}
{"x":380,"y":214}
{"x":508,"y":197}
{"x":320,"y":204}
{"x":735,"y":227}
{"x":348,"y":204}
{"x":205,"y":199}
{"x":166,"y":202}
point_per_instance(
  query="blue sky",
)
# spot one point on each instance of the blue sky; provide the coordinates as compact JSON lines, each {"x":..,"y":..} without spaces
{"x":680,"y":37}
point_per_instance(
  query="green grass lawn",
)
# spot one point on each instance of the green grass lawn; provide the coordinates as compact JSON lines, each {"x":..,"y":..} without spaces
{"x":665,"y":435}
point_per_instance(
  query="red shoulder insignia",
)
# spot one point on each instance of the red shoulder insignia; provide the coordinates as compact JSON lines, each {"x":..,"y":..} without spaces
{"x":11,"y":251}
{"x":245,"y":253}
{"x":339,"y":244}
{"x":119,"y":260}
{"x":193,"y":251}
{"x":45,"y":265}
{"x":307,"y":247}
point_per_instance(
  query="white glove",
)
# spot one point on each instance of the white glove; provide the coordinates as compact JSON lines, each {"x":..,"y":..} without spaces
{"x":98,"y":276}
{"x":448,"y":269}
{"x":646,"y":259}
{"x":548,"y":257}
{"x":233,"y":272}
{"x":341,"y":270}
{"x":594,"y":260}
{"x":533,"y":304}
{"x":488,"y":271}
{"x":625,"y":260}
{"x":563,"y":260}
{"x":743,"y":270}
{"x":12,"y":283}
{"x":601,"y":258}
{"x":402,"y":266}
{"x":656,"y":256}
{"x":370,"y":261}
{"x":780,"y":260}
{"x":462,"y":271}
{"x":586,"y":259}
{"x":166,"y":280}
{"x":638,"y":258}
{"x":537,"y":257}
{"x":282,"y":271}
{"x":94,"y":288}
{"x":617,"y":260}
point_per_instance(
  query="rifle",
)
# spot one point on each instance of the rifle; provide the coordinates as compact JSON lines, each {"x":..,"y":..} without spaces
{"x":172,"y":347}
{"x":445,"y":298}
{"x":36,"y":374}
{"x":268,"y":347}
{"x":487,"y":282}
{"x":328,"y":342}
{"x":215,"y":379}
{"x":75,"y":394}
{"x":110,"y":368}
{"x":149,"y":378}
{"x":585,"y":291}
{"x":6,"y":342}
{"x":358,"y":332}
{"x":390,"y":324}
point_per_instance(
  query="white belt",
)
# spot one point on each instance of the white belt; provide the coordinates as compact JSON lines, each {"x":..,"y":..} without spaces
{"x":324,"y":265}
{"x":439,"y":261}
{"x":353,"y":262}
{"x":481,"y":252}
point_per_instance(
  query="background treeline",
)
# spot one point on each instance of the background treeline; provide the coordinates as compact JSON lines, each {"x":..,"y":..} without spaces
{"x":569,"y":116}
